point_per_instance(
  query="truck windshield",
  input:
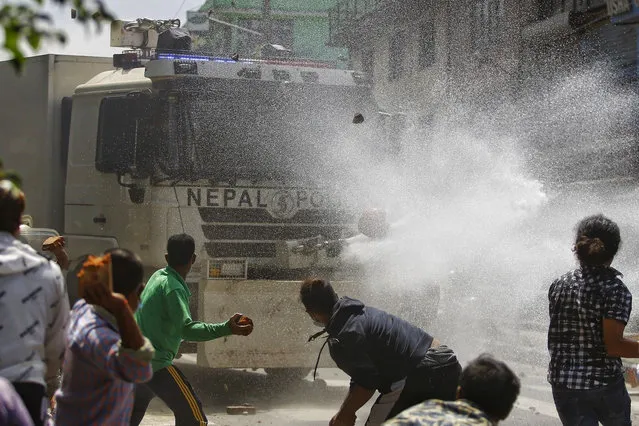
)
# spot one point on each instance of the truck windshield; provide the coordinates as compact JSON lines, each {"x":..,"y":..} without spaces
{"x":260,"y":130}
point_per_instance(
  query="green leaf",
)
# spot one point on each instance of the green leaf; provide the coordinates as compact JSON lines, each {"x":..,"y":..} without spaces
{"x":26,"y":23}
{"x":17,"y":61}
{"x":11,"y":35}
{"x":34,"y":39}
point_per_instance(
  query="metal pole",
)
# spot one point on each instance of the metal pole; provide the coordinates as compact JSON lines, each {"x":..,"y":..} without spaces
{"x":228,"y":24}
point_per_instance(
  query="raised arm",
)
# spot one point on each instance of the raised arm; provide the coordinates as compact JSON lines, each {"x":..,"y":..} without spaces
{"x":618,"y":304}
{"x":194,"y":331}
{"x":126,"y":355}
{"x":58,"y":318}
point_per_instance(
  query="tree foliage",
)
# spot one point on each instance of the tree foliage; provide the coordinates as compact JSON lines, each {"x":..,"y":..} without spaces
{"x":26,"y":22}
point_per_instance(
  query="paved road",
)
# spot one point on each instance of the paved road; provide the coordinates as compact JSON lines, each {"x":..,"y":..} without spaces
{"x":308,"y":403}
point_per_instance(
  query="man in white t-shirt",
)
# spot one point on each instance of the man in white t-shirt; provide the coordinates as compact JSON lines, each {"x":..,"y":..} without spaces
{"x":34,"y":310}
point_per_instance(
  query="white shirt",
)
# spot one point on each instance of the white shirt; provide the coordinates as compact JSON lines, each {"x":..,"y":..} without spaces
{"x":34,"y":311}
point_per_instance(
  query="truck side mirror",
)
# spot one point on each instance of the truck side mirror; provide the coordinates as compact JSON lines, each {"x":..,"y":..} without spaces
{"x":124,"y":135}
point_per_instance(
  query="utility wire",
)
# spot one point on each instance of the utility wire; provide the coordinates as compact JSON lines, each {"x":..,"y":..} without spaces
{"x":179,"y":9}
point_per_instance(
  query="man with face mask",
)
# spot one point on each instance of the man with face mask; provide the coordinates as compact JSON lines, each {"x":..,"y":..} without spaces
{"x":379,"y":352}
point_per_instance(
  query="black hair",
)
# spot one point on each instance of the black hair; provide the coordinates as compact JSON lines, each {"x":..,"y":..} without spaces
{"x":127,"y":269}
{"x":598,"y":240}
{"x":12,"y":204}
{"x":491,"y":385}
{"x":318,"y":296}
{"x":180,"y":249}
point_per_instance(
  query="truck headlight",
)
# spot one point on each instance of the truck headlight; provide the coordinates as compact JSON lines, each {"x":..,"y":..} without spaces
{"x":227,"y":269}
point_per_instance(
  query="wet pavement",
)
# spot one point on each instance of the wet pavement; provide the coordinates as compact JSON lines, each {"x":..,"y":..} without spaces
{"x":314,"y":403}
{"x":308,"y":403}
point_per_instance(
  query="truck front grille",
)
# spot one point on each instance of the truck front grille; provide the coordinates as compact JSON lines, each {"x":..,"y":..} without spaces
{"x":261,"y":216}
{"x":252,"y":249}
{"x":253,"y":233}
{"x":269,"y":232}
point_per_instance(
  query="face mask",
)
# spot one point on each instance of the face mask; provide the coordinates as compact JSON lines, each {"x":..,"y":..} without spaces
{"x":319,"y":324}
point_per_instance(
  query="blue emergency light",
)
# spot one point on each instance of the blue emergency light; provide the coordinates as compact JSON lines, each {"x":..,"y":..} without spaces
{"x":186,"y":57}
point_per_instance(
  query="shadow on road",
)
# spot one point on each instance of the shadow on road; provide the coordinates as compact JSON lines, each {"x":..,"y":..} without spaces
{"x":218,"y":388}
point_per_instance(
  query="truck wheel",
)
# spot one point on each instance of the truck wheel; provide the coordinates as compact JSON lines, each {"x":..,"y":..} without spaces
{"x":287,"y":375}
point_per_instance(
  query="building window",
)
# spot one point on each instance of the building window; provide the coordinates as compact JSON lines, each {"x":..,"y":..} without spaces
{"x":426,"y":56}
{"x":396,"y":55}
{"x":488,"y":15}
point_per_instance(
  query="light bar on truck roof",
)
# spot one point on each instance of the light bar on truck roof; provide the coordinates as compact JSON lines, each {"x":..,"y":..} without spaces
{"x":181,"y":57}
{"x":170,"y":65}
{"x":274,"y":61}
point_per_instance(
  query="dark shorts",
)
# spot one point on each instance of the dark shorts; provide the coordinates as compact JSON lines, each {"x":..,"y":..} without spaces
{"x":435,"y":377}
{"x":35,"y":400}
{"x":608,"y":405}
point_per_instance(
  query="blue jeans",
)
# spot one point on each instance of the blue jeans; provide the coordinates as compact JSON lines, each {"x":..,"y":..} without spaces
{"x":609,"y":405}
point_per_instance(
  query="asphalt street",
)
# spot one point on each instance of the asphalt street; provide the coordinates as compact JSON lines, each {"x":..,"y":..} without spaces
{"x":309,"y":403}
{"x":305,"y":402}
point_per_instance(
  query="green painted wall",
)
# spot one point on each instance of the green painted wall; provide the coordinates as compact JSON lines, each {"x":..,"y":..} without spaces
{"x":310,"y":27}
{"x":310,"y":38}
{"x":284,"y":5}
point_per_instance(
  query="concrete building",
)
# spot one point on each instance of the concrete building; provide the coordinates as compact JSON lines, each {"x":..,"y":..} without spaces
{"x":420,"y":52}
{"x":419,"y":49}
{"x":565,"y":34}
{"x":299,"y":25}
{"x":427,"y":56}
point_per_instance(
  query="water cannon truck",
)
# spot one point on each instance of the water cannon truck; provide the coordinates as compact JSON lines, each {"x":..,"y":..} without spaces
{"x":239,"y":153}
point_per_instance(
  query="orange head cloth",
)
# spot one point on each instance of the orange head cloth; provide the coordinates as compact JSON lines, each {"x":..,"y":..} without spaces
{"x":96,"y":271}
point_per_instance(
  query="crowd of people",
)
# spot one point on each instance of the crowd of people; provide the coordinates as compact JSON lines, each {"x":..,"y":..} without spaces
{"x":114,"y":349}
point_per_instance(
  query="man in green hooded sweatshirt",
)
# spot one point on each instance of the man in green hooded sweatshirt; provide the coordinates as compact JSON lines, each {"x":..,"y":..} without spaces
{"x":165,"y":319}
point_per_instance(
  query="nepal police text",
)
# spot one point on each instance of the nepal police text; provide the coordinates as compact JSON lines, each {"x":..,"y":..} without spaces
{"x":252,"y":197}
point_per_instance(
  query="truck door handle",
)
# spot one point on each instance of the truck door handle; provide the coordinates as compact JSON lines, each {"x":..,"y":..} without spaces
{"x":99,"y":219}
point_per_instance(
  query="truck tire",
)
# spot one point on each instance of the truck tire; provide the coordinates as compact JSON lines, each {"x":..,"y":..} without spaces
{"x":288,"y":375}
